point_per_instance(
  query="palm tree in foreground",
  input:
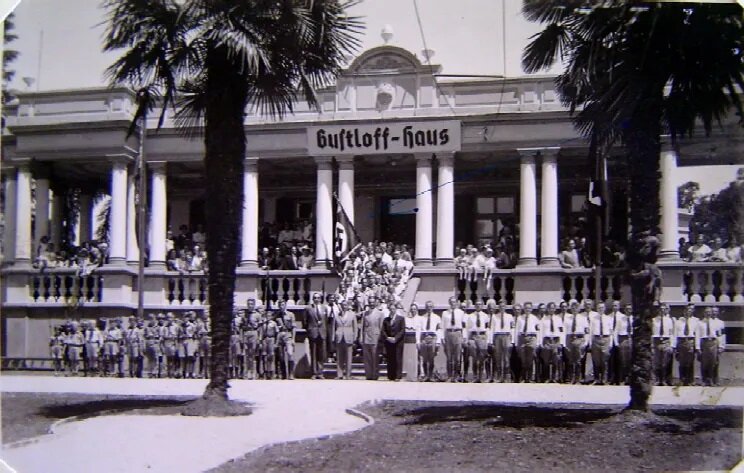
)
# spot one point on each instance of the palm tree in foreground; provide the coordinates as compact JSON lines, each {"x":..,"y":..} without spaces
{"x":209,"y":60}
{"x":636,"y":71}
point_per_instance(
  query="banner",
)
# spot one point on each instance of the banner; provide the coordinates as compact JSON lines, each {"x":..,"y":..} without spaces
{"x":345,"y":237}
{"x":384,"y":138}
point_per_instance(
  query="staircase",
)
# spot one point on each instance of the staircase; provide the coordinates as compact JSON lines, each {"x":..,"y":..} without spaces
{"x":357,"y":362}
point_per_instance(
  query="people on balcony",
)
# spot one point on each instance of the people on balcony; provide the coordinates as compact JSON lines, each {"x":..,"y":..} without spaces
{"x":699,"y":252}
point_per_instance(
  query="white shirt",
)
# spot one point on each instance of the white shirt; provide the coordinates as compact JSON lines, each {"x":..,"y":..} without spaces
{"x":453,"y":319}
{"x":557,"y":328}
{"x":430,"y":323}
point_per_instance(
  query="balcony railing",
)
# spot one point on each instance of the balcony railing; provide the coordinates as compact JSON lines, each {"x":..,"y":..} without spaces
{"x":116,"y":286}
{"x":66,"y":286}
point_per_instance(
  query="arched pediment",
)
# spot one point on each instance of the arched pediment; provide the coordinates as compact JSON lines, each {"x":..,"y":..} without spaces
{"x":388,"y":60}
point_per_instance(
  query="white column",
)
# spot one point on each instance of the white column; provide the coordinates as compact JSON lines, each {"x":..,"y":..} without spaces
{"x":669,"y":212}
{"x":446,"y":209}
{"x":549,"y":207}
{"x":55,"y":225}
{"x":132,"y":247}
{"x":41,"y":221}
{"x":23,"y":216}
{"x":346,"y":184}
{"x":85,"y":227}
{"x":249,"y":242}
{"x":158,"y":215}
{"x":9,"y":235}
{"x":324,"y":212}
{"x":527,"y":210}
{"x":424,"y":216}
{"x":118,"y":215}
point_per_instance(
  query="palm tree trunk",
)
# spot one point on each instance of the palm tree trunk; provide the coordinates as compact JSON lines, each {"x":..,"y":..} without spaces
{"x":225,"y":153}
{"x":643,"y":145}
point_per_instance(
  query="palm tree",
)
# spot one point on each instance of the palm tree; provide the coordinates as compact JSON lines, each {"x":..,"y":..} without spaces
{"x":209,"y":60}
{"x":632,"y":72}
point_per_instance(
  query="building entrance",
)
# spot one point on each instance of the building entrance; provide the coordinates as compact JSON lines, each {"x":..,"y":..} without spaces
{"x":398,"y":220}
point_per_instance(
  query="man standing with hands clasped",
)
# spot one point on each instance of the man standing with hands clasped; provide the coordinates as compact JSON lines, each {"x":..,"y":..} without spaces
{"x":393,"y":331}
{"x":453,"y":321}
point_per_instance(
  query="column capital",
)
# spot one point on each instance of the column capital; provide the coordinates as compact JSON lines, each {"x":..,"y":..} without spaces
{"x":158,"y":166}
{"x":345,"y":162}
{"x":250,"y":163}
{"x":323,"y":162}
{"x":446,"y":158}
{"x":119,"y":159}
{"x":550,"y":154}
{"x":423,"y":159}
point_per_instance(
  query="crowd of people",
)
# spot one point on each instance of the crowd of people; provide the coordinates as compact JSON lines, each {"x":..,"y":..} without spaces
{"x":84,"y":258}
{"x":161,"y":346}
{"x":713,"y":250}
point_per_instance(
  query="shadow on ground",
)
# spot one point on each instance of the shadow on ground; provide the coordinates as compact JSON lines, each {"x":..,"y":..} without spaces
{"x":107,"y":406}
{"x":671,"y":420}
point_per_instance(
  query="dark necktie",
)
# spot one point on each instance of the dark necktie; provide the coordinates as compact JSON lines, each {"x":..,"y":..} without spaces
{"x":687,"y":326}
{"x":709,"y":332}
{"x":575,"y":316}
{"x":428,"y":322}
{"x":552,"y":327}
{"x":477,"y":320}
{"x":661,"y":329}
{"x":502,"y":320}
{"x":526,"y":318}
{"x":601,"y":326}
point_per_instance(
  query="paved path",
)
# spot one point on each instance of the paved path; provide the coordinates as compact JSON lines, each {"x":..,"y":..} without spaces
{"x":285,"y":411}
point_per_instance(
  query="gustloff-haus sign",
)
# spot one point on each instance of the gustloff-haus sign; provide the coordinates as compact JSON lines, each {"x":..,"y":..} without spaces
{"x":384,"y":138}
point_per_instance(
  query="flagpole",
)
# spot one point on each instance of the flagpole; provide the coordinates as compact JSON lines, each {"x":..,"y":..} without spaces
{"x":142,"y":184}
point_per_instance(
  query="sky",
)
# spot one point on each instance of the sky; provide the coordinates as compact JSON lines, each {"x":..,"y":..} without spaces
{"x":60,"y":45}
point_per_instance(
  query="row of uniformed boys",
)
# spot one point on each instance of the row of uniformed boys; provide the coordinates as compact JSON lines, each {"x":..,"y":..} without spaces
{"x":164,"y":346}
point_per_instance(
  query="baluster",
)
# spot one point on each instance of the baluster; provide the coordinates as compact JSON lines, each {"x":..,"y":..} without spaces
{"x":717,"y":281}
{"x":736,"y":285}
{"x":579,"y":287}
{"x":171,"y":296}
{"x":296,"y":291}
{"x":604,"y":283}
{"x":99,"y":289}
{"x":46,"y":284}
{"x":460,"y":285}
{"x":203,"y":290}
{"x":35,"y":282}
{"x":285,"y":288}
{"x":69,"y":281}
{"x":57,"y":287}
{"x":697,"y":286}
{"x":90,"y":282}
{"x":473,"y":289}
{"x":687,"y":285}
{"x":510,"y":288}
{"x":190,"y":289}
{"x":275,"y":285}
{"x":708,"y":291}
{"x":567,"y":288}
{"x":498,"y":285}
{"x":306,"y":290}
{"x":589,"y":287}
{"x":181,"y":291}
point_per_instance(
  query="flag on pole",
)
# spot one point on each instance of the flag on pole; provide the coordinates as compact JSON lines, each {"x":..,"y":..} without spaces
{"x":345,"y":237}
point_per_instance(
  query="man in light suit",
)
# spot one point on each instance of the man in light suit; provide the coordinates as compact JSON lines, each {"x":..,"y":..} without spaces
{"x":371,"y":327}
{"x":345,"y":330}
{"x":393,"y":332}
{"x":315,"y":324}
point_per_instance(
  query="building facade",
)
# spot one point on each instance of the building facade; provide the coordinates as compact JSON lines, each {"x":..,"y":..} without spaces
{"x":435,"y":164}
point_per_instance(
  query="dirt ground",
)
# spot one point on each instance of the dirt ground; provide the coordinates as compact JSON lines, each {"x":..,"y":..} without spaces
{"x":431,"y":436}
{"x":426,"y":436}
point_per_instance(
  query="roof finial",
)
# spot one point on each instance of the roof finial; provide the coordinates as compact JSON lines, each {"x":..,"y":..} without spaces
{"x":387,"y":33}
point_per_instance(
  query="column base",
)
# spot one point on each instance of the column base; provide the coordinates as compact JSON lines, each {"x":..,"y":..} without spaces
{"x":132,"y":263}
{"x":22,"y":263}
{"x":550,"y":262}
{"x":323,"y":264}
{"x":445,"y":261}
{"x":527,"y":262}
{"x":423,"y":262}
{"x":117,"y":261}
{"x":669,"y":255}
{"x":249,"y":264}
{"x":156,"y":265}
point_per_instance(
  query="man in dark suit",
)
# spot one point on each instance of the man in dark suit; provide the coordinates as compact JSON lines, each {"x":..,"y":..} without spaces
{"x":315,"y":324}
{"x":393,"y":331}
